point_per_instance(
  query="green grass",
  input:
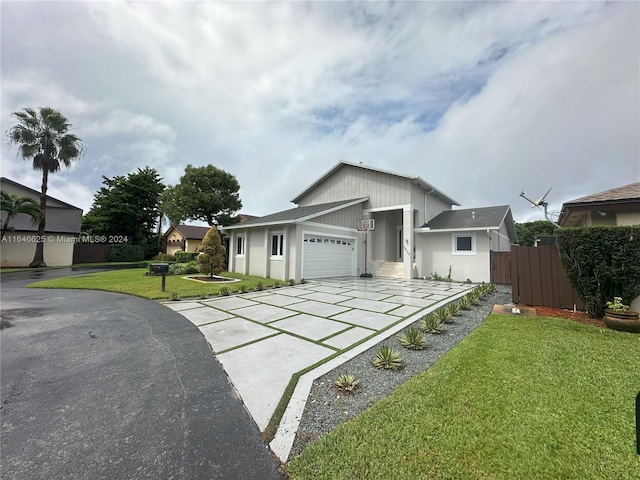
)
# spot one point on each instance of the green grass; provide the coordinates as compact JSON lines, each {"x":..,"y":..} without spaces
{"x":134,"y":282}
{"x":534,"y":398}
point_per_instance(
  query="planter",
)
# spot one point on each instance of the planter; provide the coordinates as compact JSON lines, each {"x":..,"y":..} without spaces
{"x":628,"y":321}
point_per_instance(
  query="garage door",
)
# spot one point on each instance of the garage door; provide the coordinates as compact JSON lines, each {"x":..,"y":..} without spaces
{"x":328,"y":257}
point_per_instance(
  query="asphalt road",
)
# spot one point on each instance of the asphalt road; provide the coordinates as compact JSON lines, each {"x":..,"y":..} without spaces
{"x":102,"y":385}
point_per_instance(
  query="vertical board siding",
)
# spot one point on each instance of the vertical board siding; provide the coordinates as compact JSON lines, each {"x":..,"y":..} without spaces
{"x":501,"y":268}
{"x":538,"y":278}
{"x":89,"y":253}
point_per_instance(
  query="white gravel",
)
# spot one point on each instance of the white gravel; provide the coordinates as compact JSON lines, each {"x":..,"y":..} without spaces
{"x":327,"y":408}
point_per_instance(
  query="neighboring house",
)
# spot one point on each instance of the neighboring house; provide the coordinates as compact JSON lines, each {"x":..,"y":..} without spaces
{"x":62,"y":230}
{"x":617,"y":206}
{"x":416,"y":231}
{"x":186,"y":238}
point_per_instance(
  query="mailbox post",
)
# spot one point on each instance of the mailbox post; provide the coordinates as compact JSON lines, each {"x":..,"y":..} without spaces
{"x":160,"y":268}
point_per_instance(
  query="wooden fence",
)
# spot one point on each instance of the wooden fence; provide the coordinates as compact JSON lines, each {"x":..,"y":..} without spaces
{"x":501,"y":268}
{"x":89,"y":253}
{"x":538,"y":278}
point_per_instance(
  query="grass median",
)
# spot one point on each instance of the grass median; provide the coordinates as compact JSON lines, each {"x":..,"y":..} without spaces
{"x":519,"y":398}
{"x":134,"y":282}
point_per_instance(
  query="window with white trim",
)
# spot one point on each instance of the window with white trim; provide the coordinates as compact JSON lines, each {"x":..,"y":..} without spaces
{"x":240,"y":246}
{"x":277,"y":245}
{"x":464,"y":244}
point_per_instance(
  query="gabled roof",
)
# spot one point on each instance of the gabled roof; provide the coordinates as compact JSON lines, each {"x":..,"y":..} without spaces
{"x":485,"y":218}
{"x":414,"y":179}
{"x":298,"y":214}
{"x":36,"y":193}
{"x":622,"y":198}
{"x":190,"y":232}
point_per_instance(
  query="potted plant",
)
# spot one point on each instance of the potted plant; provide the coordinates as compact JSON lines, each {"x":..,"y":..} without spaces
{"x":618,"y":316}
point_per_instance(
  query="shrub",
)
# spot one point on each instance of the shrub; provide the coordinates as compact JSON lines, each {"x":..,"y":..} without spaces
{"x":125,"y":253}
{"x":430,"y":323}
{"x":185,"y":257}
{"x":277,"y":284}
{"x":412,"y":339}
{"x":601,"y":263}
{"x":164,"y":257}
{"x":292,"y":282}
{"x":225,"y":291}
{"x":211,"y":257}
{"x":346,"y":382}
{"x":387,"y":358}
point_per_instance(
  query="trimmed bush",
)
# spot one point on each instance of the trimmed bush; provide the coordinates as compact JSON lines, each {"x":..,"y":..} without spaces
{"x":601,"y":263}
{"x":164,"y":257}
{"x":185,"y":257}
{"x":125,"y":253}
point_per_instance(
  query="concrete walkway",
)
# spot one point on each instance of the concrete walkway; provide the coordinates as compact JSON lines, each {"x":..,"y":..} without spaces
{"x":263,"y":338}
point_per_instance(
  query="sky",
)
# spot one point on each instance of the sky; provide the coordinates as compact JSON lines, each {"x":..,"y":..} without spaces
{"x":481,"y":100}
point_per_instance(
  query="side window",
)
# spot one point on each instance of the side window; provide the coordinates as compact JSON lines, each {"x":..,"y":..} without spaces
{"x":239,"y":245}
{"x":277,"y":247}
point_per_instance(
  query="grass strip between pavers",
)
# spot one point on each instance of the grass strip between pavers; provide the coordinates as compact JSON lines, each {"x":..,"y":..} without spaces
{"x":518,"y":398}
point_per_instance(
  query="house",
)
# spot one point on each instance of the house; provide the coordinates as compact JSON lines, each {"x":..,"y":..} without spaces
{"x":186,"y":238}
{"x":617,"y":206}
{"x":416,"y":231}
{"x":61,"y":233}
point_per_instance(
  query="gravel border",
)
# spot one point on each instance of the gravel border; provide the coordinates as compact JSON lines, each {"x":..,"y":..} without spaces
{"x":326,"y":407}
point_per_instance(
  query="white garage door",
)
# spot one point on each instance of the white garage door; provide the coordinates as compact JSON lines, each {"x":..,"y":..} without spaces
{"x":328,"y":257}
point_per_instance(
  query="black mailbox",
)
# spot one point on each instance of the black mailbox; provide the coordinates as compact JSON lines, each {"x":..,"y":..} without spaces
{"x":159,"y":268}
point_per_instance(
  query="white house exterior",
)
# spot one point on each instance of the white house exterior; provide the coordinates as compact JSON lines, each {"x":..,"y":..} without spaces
{"x":62,"y":229}
{"x":319,"y":238}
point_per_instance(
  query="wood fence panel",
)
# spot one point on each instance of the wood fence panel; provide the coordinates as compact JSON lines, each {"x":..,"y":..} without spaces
{"x":538,"y":278}
{"x":500,"y":268}
{"x":89,"y":253}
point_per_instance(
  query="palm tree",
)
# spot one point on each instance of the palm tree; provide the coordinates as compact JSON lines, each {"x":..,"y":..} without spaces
{"x":14,"y":205}
{"x":42,"y":137}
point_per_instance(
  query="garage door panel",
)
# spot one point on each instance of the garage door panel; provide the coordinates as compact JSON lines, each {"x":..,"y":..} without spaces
{"x":328,"y":257}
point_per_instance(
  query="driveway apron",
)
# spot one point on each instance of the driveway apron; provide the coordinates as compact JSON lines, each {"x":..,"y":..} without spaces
{"x":103,"y":385}
{"x":263,"y":338}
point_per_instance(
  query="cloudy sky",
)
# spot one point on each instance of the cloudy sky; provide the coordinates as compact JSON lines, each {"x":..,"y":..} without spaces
{"x":482,"y":100}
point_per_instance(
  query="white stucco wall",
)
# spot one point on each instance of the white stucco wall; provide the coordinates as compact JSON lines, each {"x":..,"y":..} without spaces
{"x":57,"y":253}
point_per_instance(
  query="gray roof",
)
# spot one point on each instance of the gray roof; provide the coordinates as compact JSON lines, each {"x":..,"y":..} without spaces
{"x":626,"y":192}
{"x":298,"y":214}
{"x":473,"y":219}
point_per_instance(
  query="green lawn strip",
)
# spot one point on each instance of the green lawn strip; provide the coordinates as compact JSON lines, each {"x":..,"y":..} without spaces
{"x":518,"y":398}
{"x":134,"y":282}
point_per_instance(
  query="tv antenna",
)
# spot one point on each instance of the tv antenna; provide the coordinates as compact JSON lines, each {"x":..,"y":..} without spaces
{"x":541,"y":202}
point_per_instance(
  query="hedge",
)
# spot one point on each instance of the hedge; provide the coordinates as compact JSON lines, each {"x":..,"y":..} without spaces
{"x":185,"y":257}
{"x":125,"y":253}
{"x":601,"y":263}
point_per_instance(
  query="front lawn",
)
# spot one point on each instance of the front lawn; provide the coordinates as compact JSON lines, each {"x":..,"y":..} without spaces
{"x":134,"y":281}
{"x":535,"y":398}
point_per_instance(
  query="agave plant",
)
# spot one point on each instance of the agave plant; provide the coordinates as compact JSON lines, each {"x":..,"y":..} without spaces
{"x":454,"y":309}
{"x":243,"y":288}
{"x":225,"y":291}
{"x":173,"y":296}
{"x":430,"y":323}
{"x":259,"y":285}
{"x":292,"y":282}
{"x":412,"y":339}
{"x":443,"y":315}
{"x":387,"y":358}
{"x":277,"y":284}
{"x":347,"y":382}
{"x":465,"y":303}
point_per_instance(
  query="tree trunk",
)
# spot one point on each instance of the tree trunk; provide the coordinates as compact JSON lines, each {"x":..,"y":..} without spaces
{"x":38,"y":256}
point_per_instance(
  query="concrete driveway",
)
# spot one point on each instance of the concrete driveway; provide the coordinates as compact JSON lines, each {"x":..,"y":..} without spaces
{"x":102,"y":385}
{"x":262,"y":339}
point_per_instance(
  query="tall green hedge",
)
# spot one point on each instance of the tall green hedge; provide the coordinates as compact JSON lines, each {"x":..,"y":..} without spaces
{"x":125,"y":253}
{"x":601,"y":263}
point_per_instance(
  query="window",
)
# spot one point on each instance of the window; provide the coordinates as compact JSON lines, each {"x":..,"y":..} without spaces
{"x":240,"y":246}
{"x":277,"y":248}
{"x":464,"y":244}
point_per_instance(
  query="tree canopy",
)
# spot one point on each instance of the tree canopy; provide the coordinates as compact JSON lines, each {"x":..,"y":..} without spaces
{"x":43,"y":137}
{"x":206,"y":193}
{"x":126,"y":207}
{"x":13,"y":205}
{"x":528,"y":231}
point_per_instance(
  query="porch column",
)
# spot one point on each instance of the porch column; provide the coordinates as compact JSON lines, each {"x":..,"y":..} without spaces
{"x":231,"y":252}
{"x":407,"y":243}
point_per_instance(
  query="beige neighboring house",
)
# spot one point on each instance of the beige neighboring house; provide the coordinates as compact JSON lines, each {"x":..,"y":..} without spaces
{"x":417,"y":231}
{"x":617,"y":206}
{"x":186,"y":238}
{"x":62,"y":230}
